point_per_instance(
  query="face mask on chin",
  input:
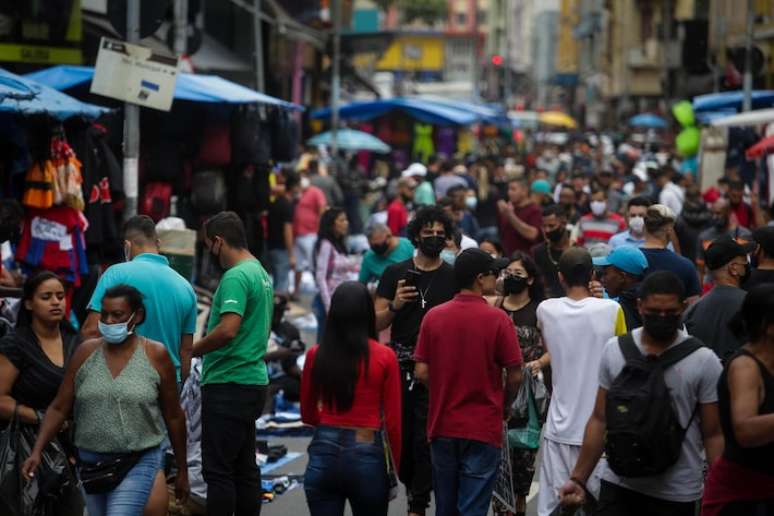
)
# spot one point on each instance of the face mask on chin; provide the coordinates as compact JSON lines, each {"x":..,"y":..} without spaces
{"x":448,"y":256}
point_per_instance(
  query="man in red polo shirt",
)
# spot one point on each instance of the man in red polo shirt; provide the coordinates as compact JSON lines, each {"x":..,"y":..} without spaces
{"x":463,"y":347}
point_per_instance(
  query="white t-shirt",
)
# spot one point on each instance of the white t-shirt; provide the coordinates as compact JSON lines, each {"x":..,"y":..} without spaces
{"x":692,"y":382}
{"x":575,"y":333}
{"x":673,"y":196}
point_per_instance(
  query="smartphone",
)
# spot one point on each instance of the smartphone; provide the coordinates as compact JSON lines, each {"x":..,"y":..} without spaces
{"x":412,"y":278}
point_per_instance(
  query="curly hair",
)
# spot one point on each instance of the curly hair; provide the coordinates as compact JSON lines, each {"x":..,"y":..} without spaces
{"x":428,"y":216}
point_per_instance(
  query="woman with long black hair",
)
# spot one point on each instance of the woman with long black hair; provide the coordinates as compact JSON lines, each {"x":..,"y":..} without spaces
{"x":33,"y":360}
{"x":523,"y":291}
{"x":332,"y":263}
{"x":350,"y":391}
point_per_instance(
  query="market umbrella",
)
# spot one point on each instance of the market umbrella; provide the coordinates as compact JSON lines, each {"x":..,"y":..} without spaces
{"x":27,"y":97}
{"x":758,"y":117}
{"x":557,"y":118}
{"x":350,"y":139}
{"x":761,"y":148}
{"x":648,"y":121}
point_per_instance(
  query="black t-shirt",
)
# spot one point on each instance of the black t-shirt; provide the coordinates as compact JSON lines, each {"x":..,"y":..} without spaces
{"x":547,"y":261}
{"x":39,"y":378}
{"x":280,"y":213}
{"x":437,"y":287}
{"x":758,"y":277}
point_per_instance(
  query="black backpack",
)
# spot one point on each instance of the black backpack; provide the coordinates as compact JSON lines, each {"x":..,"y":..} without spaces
{"x":644,"y":436}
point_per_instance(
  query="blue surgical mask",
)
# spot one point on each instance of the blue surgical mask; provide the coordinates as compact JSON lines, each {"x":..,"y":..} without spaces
{"x":448,"y":256}
{"x":115,"y":333}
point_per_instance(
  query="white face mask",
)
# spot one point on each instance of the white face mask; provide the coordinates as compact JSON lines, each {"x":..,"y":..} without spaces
{"x":636,"y":224}
{"x":304,"y":183}
{"x":598,"y":208}
{"x":471,"y":202}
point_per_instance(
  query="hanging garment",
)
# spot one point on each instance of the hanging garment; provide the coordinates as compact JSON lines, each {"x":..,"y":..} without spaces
{"x":68,"y":178}
{"x":40,"y":185}
{"x":446,"y":140}
{"x":423,"y":142}
{"x":465,"y":142}
{"x":53,"y":240}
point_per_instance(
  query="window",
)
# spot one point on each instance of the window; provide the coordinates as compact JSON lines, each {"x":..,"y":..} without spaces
{"x":481,"y":16}
{"x":462,"y":19}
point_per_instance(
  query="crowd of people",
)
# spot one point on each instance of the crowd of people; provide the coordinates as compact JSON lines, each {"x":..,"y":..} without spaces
{"x":445,"y":297}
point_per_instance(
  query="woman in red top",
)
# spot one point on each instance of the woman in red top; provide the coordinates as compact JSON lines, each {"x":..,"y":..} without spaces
{"x":350,"y":390}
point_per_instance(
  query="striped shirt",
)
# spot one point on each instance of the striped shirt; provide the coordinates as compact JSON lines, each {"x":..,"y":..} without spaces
{"x":594,"y":231}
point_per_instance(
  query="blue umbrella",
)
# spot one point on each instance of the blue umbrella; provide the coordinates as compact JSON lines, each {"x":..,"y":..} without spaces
{"x":648,"y":120}
{"x":349,"y":139}
{"x":28,"y":97}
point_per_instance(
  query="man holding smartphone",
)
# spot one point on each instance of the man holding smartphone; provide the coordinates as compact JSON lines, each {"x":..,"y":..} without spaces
{"x":406,"y":292}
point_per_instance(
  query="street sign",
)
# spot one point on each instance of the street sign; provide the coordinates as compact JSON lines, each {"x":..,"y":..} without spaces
{"x":134,"y":74}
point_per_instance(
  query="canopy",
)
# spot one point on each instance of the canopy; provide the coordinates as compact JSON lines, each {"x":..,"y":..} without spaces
{"x":732,"y":99}
{"x":523,"y":119}
{"x":25,"y":96}
{"x":763,"y":147}
{"x":648,"y":121}
{"x":192,"y":87}
{"x":423,"y":110}
{"x":557,"y":118}
{"x":760,"y":117}
{"x":350,"y":139}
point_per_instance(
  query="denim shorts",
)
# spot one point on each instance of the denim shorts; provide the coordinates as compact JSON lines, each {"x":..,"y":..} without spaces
{"x":131,"y":495}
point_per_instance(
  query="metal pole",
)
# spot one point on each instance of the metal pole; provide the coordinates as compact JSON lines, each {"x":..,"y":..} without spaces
{"x":181,"y":27}
{"x":667,"y":84}
{"x":335,"y":77}
{"x":131,"y":121}
{"x":747,"y":106}
{"x":508,"y":80}
{"x":260,"y":83}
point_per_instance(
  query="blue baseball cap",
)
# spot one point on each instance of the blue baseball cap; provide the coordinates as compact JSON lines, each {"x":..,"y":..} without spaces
{"x":540,"y":186}
{"x":627,"y":258}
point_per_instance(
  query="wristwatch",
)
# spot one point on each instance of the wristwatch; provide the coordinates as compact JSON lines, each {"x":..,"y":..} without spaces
{"x":392,"y":308}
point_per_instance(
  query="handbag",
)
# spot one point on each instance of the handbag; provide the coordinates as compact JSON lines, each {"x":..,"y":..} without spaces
{"x":54,"y":488}
{"x":392,"y":475}
{"x":105,"y":475}
{"x":527,"y":433}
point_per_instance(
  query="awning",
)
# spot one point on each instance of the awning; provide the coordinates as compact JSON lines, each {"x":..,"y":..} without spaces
{"x":28,"y":97}
{"x":423,"y":110}
{"x":191,"y":87}
{"x":759,"y":117}
{"x":733,"y":99}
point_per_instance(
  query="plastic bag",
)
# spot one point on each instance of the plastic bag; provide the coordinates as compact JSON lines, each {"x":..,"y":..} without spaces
{"x":524,"y":427}
{"x":54,"y":489}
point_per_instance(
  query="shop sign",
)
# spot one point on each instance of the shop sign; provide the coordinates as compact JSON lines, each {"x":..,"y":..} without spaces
{"x":134,"y":74}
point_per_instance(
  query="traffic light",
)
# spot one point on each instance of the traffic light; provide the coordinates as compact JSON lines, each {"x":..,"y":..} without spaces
{"x":497,"y":60}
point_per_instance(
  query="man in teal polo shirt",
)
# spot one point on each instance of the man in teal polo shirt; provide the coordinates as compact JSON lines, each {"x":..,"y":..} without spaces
{"x":170,"y":301}
{"x":386,"y":249}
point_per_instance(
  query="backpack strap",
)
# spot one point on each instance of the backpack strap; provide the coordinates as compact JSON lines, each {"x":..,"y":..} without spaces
{"x":679,"y":352}
{"x":629,"y":349}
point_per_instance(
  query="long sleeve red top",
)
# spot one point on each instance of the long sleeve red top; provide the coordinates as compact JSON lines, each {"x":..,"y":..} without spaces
{"x":380,"y":388}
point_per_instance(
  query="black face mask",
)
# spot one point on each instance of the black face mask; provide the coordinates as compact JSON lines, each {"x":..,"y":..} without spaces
{"x":720,"y":223}
{"x":556,"y":234}
{"x":381,"y":249}
{"x":514,"y":285}
{"x":661,"y":327}
{"x":432,"y":246}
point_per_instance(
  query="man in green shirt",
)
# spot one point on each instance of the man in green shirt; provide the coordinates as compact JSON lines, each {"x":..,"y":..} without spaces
{"x":424,"y":195}
{"x":234,"y":377}
{"x":386,"y":249}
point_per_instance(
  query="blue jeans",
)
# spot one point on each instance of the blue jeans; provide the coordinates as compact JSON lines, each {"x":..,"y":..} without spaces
{"x":341,"y":468}
{"x":318,"y":308}
{"x":280,"y":269}
{"x":131,"y":495}
{"x":464,"y":474}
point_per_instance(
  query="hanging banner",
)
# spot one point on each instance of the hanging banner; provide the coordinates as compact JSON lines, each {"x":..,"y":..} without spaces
{"x":134,"y":74}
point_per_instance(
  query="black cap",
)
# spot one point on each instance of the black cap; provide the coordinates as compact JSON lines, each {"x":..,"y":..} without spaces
{"x":764,"y":237}
{"x":470,"y":263}
{"x":721,"y":251}
{"x":573,"y":259}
